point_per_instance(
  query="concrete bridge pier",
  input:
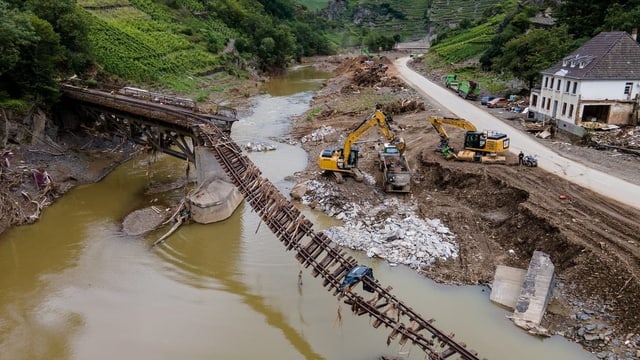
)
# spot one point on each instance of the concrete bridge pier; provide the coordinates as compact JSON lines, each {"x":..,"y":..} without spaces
{"x":216,"y":198}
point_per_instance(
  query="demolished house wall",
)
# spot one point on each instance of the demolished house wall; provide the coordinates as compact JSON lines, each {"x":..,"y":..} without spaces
{"x":619,"y":111}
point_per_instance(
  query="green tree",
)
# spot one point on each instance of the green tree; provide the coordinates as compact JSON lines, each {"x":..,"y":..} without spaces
{"x":583,"y":17}
{"x":34,"y":73}
{"x":514,"y":25}
{"x":528,"y":54}
{"x":16,"y":33}
{"x":70,"y":22}
{"x":622,"y":17}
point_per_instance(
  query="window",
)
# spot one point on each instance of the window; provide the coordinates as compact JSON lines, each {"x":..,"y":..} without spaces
{"x":627,"y":88}
{"x":546,"y":81}
{"x":544,"y":99}
{"x":567,"y":87}
{"x":552,"y":79}
{"x":575,"y":87}
{"x":558,"y":87}
{"x":549,"y":104}
{"x":564,"y":108}
{"x":571,"y":110}
{"x":534,"y":100}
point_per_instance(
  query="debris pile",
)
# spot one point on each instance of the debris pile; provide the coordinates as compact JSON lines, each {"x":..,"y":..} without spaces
{"x":251,"y":147}
{"x":625,"y":139}
{"x":404,"y":106}
{"x":319,"y":134}
{"x":367,"y":73}
{"x":384,"y":231}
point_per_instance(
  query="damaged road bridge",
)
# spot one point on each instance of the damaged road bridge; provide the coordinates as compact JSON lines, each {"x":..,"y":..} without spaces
{"x":158,"y":121}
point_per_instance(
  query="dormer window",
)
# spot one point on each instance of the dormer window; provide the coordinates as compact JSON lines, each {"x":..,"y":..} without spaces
{"x":579,"y":60}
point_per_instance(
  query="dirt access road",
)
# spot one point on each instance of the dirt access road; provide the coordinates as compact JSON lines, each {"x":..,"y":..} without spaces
{"x":499,"y":213}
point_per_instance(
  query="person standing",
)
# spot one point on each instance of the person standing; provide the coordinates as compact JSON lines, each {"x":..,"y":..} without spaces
{"x":520,"y":158}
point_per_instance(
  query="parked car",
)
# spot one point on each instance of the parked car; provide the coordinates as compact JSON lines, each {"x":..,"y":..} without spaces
{"x":485,"y":99}
{"x":498,"y":102}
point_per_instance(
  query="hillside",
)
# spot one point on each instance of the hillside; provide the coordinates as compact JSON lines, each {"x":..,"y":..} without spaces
{"x":140,"y":40}
{"x":444,"y":14}
{"x":354,"y":20}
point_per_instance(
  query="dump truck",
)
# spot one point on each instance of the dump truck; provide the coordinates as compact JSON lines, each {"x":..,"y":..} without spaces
{"x":451,"y":82}
{"x":396,"y":173}
{"x":468,"y":89}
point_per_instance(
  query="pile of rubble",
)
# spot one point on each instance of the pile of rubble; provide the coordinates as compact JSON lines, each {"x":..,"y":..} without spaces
{"x":622,"y":138}
{"x":384,"y":231}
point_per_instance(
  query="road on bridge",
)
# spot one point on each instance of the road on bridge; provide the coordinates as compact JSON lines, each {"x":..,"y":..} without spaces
{"x":549,"y":160}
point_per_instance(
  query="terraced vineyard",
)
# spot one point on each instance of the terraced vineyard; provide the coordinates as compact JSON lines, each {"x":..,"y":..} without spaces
{"x":468,"y":44}
{"x":139,"y":40}
{"x":405,"y":17}
{"x":445,"y":13}
{"x":399,"y":17}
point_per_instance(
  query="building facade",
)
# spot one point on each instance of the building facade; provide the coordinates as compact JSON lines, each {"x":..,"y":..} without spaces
{"x":599,"y":83}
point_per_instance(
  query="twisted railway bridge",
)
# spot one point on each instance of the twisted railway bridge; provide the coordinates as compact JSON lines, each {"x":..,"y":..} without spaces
{"x":159,"y":125}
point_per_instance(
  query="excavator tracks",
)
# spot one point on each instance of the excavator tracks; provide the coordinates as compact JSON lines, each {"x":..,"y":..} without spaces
{"x":325,"y":259}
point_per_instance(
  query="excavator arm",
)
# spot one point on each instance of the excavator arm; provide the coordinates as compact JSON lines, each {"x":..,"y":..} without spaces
{"x":476,"y":144}
{"x":437,"y":122}
{"x":377,"y":119}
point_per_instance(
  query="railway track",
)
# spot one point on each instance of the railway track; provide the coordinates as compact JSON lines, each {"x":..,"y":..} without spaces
{"x":327,"y":260}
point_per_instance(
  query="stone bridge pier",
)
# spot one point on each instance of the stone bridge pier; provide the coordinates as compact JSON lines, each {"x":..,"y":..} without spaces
{"x":215,"y":198}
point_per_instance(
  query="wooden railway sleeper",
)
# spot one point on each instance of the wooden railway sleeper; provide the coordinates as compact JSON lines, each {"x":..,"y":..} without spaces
{"x":306,"y":254}
{"x":295,"y":240}
{"x":448,"y":352}
{"x":394,"y":332}
{"x":312,"y":249}
{"x":327,"y":264}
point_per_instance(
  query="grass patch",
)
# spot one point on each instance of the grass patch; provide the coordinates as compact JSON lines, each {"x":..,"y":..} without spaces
{"x":14,"y":104}
{"x":314,"y":4}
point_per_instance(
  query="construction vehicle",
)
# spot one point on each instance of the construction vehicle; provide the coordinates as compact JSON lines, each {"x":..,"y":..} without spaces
{"x":396,"y":173}
{"x":481,"y":146}
{"x":344,"y":161}
{"x":368,"y":54}
{"x":469,"y":90}
{"x":451,"y":82}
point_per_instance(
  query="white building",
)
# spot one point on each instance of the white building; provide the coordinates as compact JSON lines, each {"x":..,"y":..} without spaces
{"x":599,"y":82}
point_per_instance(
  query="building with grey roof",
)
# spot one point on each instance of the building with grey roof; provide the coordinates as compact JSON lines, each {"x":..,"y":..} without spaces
{"x":595,"y":86}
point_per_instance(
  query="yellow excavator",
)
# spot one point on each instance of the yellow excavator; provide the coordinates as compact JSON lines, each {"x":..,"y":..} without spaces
{"x":344,"y":161}
{"x":481,"y":146}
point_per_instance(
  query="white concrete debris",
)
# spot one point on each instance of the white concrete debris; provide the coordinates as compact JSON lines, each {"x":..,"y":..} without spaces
{"x":389,"y":231}
{"x":259,"y":147}
{"x":319,"y":134}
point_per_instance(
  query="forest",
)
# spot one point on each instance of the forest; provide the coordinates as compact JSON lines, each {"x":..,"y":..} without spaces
{"x":164,"y":42}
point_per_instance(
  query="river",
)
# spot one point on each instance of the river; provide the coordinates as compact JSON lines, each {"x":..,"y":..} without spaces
{"x":74,"y":286}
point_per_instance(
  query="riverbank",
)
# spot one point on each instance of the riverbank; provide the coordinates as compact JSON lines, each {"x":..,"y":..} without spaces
{"x":39,"y":169}
{"x":497,"y":214}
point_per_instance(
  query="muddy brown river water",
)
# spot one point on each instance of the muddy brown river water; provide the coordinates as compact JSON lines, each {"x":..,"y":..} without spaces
{"x":74,"y":286}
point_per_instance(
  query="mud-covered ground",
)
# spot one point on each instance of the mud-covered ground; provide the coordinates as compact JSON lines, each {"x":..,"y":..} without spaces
{"x":36,"y":170}
{"x":499,"y":213}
